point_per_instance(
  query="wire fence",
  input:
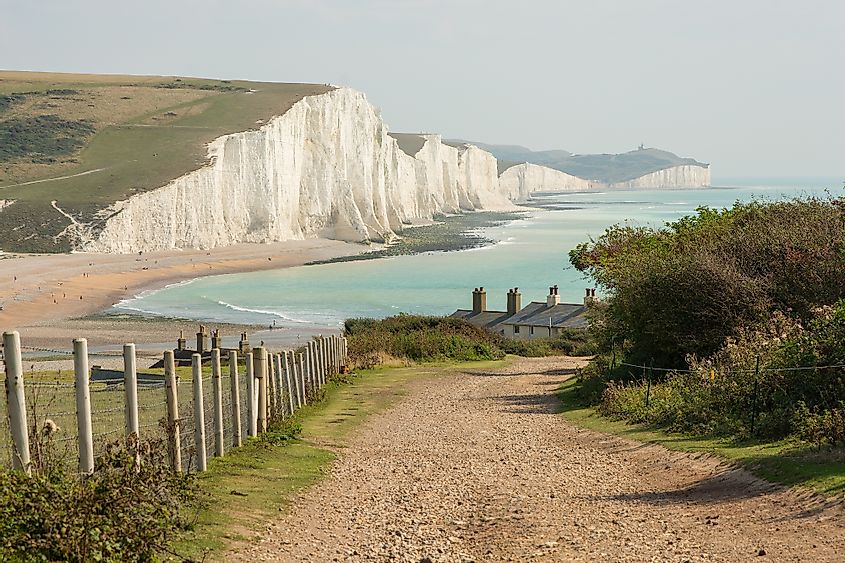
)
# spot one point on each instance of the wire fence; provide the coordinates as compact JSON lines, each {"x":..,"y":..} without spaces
{"x":72,"y":415}
{"x":759,"y":389}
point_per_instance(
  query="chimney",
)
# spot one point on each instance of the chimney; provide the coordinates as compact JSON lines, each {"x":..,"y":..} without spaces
{"x":202,"y":340}
{"x":243,"y":345}
{"x":482,"y":299}
{"x":553,"y":298}
{"x":476,"y":301}
{"x":216,"y":339}
{"x":514,"y":301}
{"x":181,"y":343}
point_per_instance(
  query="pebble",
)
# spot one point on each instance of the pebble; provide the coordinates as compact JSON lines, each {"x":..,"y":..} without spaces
{"x":468,"y":464}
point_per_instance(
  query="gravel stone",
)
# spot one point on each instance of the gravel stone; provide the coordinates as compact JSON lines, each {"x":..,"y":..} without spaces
{"x":480,"y":466}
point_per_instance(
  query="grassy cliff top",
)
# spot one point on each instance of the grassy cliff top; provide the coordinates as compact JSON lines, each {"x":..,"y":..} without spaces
{"x":605,"y":168}
{"x":88,"y":140}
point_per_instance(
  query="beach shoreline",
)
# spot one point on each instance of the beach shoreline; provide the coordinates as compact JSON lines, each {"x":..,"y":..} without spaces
{"x":52,"y":298}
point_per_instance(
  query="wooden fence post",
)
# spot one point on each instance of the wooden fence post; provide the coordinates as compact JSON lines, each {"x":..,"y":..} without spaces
{"x":312,"y":368}
{"x":312,"y":365}
{"x":327,"y":355}
{"x":174,"y":432}
{"x":16,"y":400}
{"x":236,"y":398}
{"x":301,"y":364}
{"x":199,"y":414}
{"x":288,"y":366}
{"x":217,"y":394}
{"x":280,"y":388}
{"x":318,"y":364}
{"x":251,"y":404}
{"x":271,"y":385}
{"x":130,"y":386}
{"x":327,"y":344}
{"x":259,"y":361}
{"x":83,"y":406}
{"x":337,"y":354}
{"x":321,"y":346}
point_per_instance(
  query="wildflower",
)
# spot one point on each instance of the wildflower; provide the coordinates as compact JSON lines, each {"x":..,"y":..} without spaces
{"x":50,"y":428}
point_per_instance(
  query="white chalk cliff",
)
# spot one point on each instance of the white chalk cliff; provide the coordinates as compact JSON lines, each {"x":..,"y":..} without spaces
{"x":684,"y":176}
{"x":326,"y":167}
{"x":521,"y":180}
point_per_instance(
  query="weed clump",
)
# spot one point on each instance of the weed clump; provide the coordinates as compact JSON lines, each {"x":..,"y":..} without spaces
{"x":124,"y":511}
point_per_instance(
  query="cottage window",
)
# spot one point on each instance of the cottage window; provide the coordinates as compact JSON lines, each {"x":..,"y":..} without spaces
{"x":532,"y":331}
{"x":516,"y":329}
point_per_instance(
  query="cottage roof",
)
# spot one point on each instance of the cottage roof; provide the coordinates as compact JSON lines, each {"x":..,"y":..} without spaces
{"x":485,"y":319}
{"x":562,"y":315}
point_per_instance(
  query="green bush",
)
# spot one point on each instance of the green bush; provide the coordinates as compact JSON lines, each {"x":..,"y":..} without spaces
{"x":123,"y":512}
{"x":716,"y":296}
{"x":798,"y":388}
{"x":418,"y":339}
{"x":685,"y":288}
{"x":423,"y":339}
{"x":42,"y":137}
{"x":820,"y":427}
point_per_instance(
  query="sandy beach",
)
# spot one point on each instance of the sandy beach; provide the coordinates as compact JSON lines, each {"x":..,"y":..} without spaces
{"x":50,"y":298}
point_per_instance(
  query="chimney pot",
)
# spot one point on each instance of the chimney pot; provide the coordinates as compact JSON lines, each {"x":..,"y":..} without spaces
{"x":514,"y":302}
{"x":553,"y":298}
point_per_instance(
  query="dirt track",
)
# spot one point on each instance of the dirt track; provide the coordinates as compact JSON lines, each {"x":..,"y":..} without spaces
{"x":478,"y":467}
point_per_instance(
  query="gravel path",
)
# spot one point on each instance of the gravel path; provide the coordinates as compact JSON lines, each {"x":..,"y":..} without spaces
{"x":478,"y":467}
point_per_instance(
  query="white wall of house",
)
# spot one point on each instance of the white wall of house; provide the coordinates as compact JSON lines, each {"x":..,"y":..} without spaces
{"x":525,"y":332}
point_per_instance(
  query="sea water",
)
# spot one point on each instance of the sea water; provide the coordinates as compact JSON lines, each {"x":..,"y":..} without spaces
{"x":531,"y":254}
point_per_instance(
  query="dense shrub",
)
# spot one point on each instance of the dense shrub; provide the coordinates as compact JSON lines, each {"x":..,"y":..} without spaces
{"x":421,"y":339}
{"x":123,"y":512}
{"x":571,"y":342}
{"x":714,"y":296}
{"x":418,"y":339}
{"x":798,"y":387}
{"x":685,"y":288}
{"x":42,"y":137}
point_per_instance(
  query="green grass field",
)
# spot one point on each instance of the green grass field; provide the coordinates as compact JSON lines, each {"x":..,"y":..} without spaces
{"x":148,"y":130}
{"x":785,"y":461}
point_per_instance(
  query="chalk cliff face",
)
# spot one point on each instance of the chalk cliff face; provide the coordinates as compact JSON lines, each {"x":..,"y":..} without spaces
{"x":521,"y":180}
{"x":327,"y":167}
{"x":686,"y":176}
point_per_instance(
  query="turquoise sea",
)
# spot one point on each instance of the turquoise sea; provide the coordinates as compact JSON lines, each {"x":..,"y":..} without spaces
{"x":531,"y":254}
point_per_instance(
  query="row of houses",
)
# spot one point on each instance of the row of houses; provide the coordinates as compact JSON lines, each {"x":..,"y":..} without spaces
{"x":538,"y":319}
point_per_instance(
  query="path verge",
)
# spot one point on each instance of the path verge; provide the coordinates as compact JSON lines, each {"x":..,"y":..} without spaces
{"x":786,"y":462}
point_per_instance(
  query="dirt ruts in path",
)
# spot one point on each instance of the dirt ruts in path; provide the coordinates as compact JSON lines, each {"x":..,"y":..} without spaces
{"x":478,"y":467}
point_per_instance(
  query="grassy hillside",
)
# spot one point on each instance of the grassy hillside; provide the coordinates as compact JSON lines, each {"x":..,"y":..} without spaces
{"x":605,"y":168}
{"x":87,"y":141}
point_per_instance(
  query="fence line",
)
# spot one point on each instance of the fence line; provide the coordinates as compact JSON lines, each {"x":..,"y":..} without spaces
{"x":204,"y":421}
{"x":728,"y":372}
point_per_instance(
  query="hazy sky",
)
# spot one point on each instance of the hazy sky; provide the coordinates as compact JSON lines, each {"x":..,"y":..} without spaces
{"x":756,"y":87}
